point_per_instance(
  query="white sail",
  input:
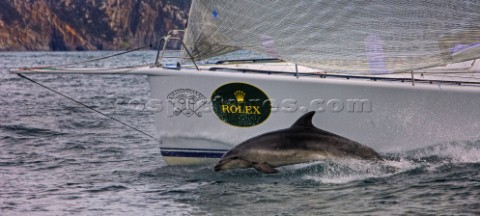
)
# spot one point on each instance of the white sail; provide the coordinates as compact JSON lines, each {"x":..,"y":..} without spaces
{"x":376,"y":37}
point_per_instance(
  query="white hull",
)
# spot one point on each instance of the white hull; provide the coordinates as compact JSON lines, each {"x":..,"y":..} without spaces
{"x":396,"y":116}
{"x":386,"y":113}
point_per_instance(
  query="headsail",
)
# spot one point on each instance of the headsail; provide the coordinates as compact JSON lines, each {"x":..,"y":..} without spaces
{"x":377,"y":36}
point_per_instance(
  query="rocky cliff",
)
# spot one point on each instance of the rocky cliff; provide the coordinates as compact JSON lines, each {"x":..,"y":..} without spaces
{"x":87,"y":24}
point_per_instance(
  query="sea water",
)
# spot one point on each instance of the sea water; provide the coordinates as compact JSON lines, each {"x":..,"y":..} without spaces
{"x":59,"y":158}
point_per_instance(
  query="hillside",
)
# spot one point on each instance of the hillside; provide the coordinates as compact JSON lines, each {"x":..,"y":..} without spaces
{"x":87,"y":24}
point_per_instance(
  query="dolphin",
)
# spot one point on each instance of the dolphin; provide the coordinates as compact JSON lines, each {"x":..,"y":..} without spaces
{"x":300,"y":143}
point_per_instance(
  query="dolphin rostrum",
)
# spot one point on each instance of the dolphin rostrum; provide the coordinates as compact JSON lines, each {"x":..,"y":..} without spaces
{"x":300,"y":143}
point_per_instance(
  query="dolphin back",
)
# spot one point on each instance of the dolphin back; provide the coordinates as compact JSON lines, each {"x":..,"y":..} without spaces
{"x":305,"y":122}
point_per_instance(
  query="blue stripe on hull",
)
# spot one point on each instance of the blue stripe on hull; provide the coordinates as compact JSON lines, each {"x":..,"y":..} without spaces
{"x":193,"y":154}
{"x":193,"y":149}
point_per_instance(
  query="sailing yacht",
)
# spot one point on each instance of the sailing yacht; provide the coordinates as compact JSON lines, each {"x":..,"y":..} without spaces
{"x":392,"y":75}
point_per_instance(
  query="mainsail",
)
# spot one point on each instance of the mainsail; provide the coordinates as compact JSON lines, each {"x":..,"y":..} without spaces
{"x":375,"y":36}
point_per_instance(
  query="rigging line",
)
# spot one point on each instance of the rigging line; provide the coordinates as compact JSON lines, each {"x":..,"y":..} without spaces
{"x":89,"y":107}
{"x":97,"y":59}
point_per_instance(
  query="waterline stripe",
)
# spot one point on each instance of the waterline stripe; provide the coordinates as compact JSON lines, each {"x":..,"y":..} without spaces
{"x":192,"y":154}
{"x":193,"y":149}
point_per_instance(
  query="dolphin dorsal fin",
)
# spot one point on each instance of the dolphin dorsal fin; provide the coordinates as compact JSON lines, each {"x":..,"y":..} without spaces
{"x":305,"y":120}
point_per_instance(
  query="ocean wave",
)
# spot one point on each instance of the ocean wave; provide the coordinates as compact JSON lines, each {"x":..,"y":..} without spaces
{"x":30,"y":131}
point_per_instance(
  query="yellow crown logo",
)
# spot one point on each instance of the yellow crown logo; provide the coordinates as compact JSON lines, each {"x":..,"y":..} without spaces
{"x":240,"y":96}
